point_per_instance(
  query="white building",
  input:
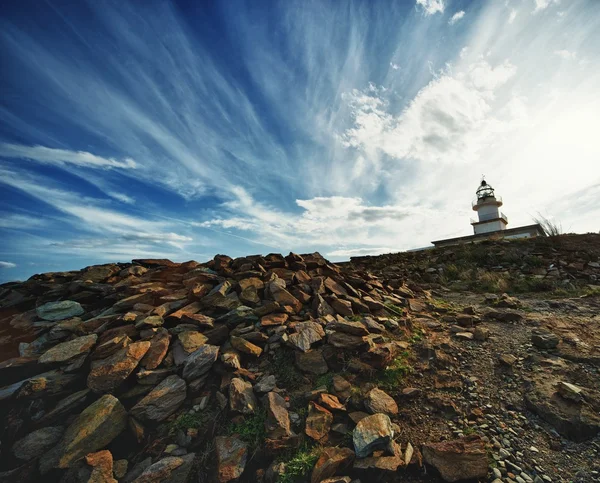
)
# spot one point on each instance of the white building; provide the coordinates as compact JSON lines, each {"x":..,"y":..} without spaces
{"x":491,"y":222}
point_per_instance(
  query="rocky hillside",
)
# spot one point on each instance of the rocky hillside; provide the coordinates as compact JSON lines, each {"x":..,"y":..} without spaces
{"x":283,"y":369}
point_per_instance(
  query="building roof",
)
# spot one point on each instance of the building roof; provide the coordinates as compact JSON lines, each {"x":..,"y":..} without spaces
{"x":483,"y":236}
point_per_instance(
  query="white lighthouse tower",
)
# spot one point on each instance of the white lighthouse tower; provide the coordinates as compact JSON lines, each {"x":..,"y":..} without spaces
{"x":486,"y":205}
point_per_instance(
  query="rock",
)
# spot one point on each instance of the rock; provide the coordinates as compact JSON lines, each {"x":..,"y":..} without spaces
{"x":55,"y":311}
{"x":200,"y":361}
{"x":311,"y":362}
{"x":371,"y":433}
{"x":378,"y":401}
{"x":307,"y":333}
{"x":45,"y":384}
{"x":481,"y":334}
{"x":149,"y":322}
{"x":318,"y":421}
{"x":108,"y":347}
{"x":331,"y":402}
{"x":570,"y":391}
{"x":102,"y":464}
{"x":338,"y":479}
{"x":507,"y":359}
{"x":348,"y":327}
{"x":108,"y":374}
{"x":162,"y":401}
{"x":544,"y":339}
{"x":241,"y":396}
{"x":283,"y":297}
{"x":70,"y":404}
{"x":93,"y":429}
{"x":120,"y":468}
{"x":173,"y":469}
{"x":37,"y":442}
{"x":201,"y":320}
{"x":505,"y":316}
{"x":159,"y":345}
{"x":232,"y":454}
{"x":460,"y":459}
{"x":69,"y":350}
{"x":331,"y":461}
{"x":265,"y":384}
{"x":278,"y":419}
{"x":345,"y":341}
{"x":246,"y":347}
{"x":273,"y":319}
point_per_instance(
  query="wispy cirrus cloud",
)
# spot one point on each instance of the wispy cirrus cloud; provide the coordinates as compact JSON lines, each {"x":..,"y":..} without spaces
{"x":7,"y":264}
{"x":43,"y":154}
{"x":456,"y":17}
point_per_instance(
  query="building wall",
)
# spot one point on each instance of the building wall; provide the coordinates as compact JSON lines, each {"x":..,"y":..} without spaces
{"x":489,"y":227}
{"x":487,"y":211}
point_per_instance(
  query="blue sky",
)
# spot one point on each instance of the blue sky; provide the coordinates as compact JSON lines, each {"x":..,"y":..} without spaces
{"x":186,"y":129}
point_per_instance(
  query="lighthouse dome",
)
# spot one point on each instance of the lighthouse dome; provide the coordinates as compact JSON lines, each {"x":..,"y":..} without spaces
{"x":485,"y":190}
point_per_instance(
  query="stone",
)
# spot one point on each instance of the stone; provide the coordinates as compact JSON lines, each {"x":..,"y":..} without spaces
{"x":342,"y":307}
{"x":102,"y":467}
{"x":69,"y":350}
{"x":37,"y":442}
{"x":232,"y":454}
{"x":273,"y":319}
{"x":283,"y":297}
{"x":149,"y":322}
{"x":191,"y":340}
{"x":331,"y":402}
{"x":277,"y":424}
{"x":342,"y":340}
{"x":378,"y":401}
{"x":348,"y":327}
{"x":120,"y":468}
{"x":481,"y":334}
{"x":570,"y":391}
{"x":174,"y":469}
{"x":108,"y":347}
{"x":200,"y":361}
{"x":311,"y":362}
{"x":241,"y":396}
{"x":371,"y":433}
{"x":460,"y":459}
{"x":307,"y":333}
{"x":318,"y":421}
{"x":201,"y":320}
{"x":162,"y":401}
{"x":245,"y":346}
{"x":544,"y":339}
{"x":331,"y":461}
{"x":45,"y":384}
{"x":507,"y":359}
{"x":159,"y":345}
{"x":342,"y":387}
{"x":93,"y":429}
{"x":55,"y":311}
{"x":108,"y":374}
{"x":265,"y":384}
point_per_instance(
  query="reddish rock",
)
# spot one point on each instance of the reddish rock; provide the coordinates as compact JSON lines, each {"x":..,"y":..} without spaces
{"x":159,"y":345}
{"x":232,"y":454}
{"x":274,"y":319}
{"x":102,"y":464}
{"x":331,"y":461}
{"x":278,"y":419}
{"x":460,"y":459}
{"x":378,"y":401}
{"x":318,"y":422}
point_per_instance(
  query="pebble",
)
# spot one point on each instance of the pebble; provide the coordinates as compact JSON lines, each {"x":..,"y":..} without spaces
{"x":497,"y":472}
{"x":534,"y":449}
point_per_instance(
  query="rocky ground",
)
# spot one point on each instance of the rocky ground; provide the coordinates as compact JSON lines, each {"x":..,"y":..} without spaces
{"x":282,"y":369}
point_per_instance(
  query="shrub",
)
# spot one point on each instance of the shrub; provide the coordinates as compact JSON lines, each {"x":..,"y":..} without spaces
{"x":299,"y":464}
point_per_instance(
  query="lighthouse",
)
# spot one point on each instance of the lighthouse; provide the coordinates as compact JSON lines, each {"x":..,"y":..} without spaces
{"x":486,"y":204}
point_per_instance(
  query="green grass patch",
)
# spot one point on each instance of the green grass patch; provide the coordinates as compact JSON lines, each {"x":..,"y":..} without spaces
{"x":251,"y":430}
{"x":325,"y":380}
{"x":188,"y":420}
{"x":394,"y":309}
{"x":393,"y":375}
{"x":299,"y":463}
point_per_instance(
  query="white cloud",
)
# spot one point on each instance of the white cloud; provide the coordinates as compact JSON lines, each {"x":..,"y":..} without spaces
{"x":18,"y":221}
{"x":449,"y":119}
{"x":121,"y":197}
{"x":543,"y":4}
{"x":7,"y":265}
{"x":394,"y":66}
{"x":565,"y":54}
{"x":46,"y":155}
{"x":512,"y":16}
{"x":456,"y":17}
{"x":431,"y":7}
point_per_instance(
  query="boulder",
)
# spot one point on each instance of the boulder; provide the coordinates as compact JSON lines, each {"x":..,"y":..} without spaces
{"x":371,"y":433}
{"x":159,"y":345}
{"x":69,"y":350}
{"x":108,"y":374}
{"x":55,"y":311}
{"x":162,"y":401}
{"x":544,"y":339}
{"x":311,"y":362}
{"x":241,"y":396}
{"x":96,"y":426}
{"x":200,"y":361}
{"x":245,"y":346}
{"x":460,"y":459}
{"x":307,"y":333}
{"x":173,"y":469}
{"x":232,"y":454}
{"x":378,"y":401}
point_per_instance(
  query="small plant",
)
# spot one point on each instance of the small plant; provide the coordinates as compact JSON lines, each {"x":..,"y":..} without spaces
{"x":299,"y":464}
{"x":469,"y":430}
{"x":417,"y":336}
{"x":188,"y":420}
{"x":251,"y":429}
{"x":325,"y":380}
{"x":393,"y":309}
{"x":392,"y":376}
{"x":552,"y":228}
